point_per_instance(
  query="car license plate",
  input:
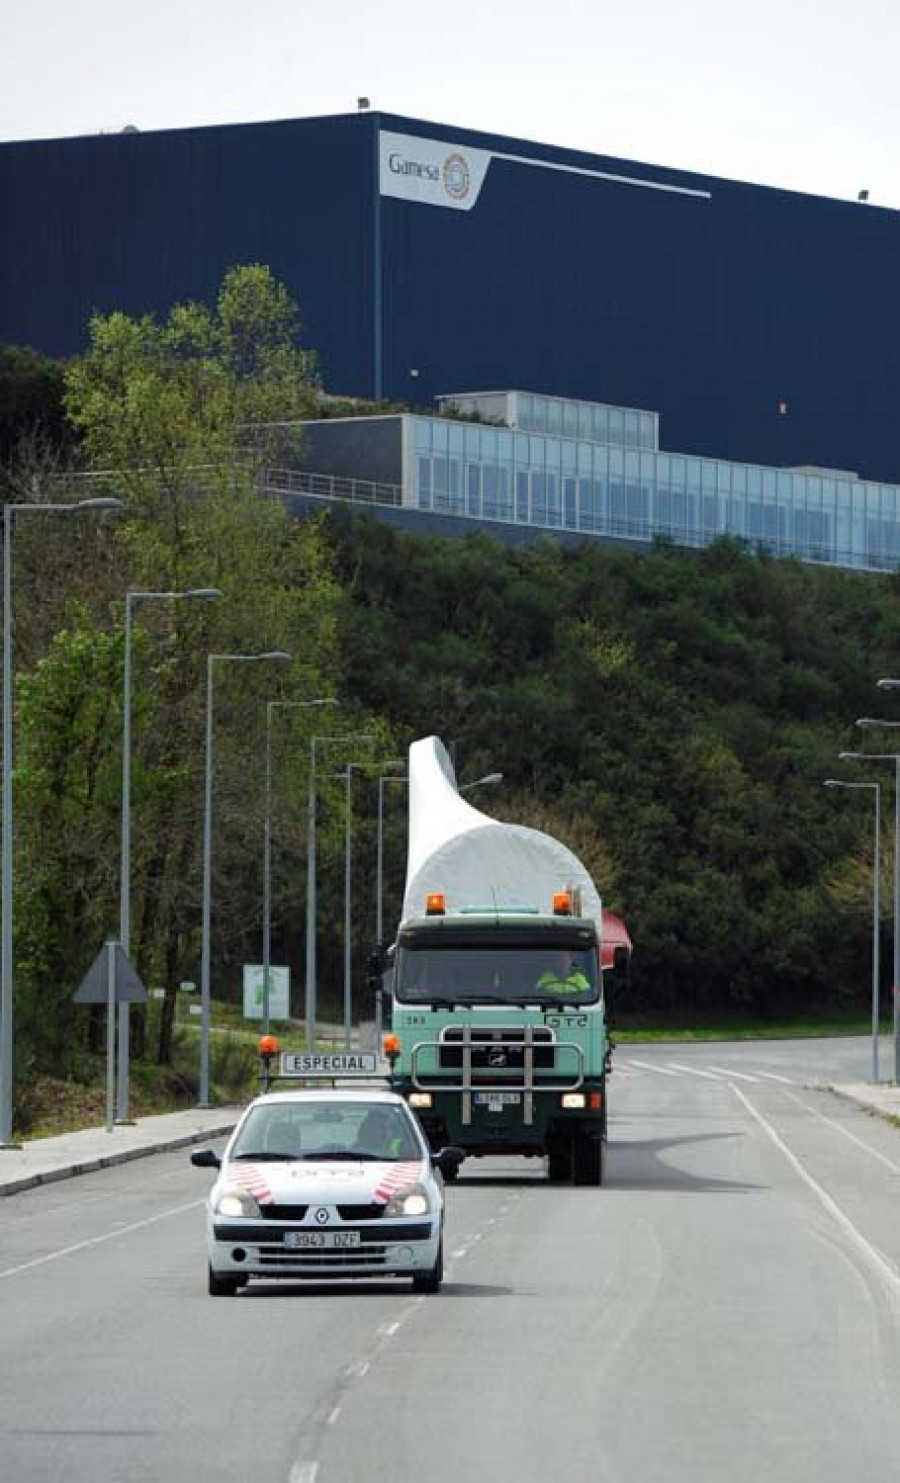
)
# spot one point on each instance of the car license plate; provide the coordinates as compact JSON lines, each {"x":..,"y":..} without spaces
{"x":321,"y":1240}
{"x":496,"y":1101}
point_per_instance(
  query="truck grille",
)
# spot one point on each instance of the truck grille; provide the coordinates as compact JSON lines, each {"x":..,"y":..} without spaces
{"x":492,"y":1051}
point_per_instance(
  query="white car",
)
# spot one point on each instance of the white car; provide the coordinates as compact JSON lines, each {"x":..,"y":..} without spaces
{"x":325,"y":1183}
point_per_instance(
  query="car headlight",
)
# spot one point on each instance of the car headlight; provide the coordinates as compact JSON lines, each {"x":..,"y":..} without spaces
{"x":237,"y":1202}
{"x":410,"y":1201}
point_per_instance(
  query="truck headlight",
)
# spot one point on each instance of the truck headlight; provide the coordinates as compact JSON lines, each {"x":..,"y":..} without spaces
{"x":420,"y":1099}
{"x":410,"y":1201}
{"x":573,"y":1099}
{"x":237,"y":1202}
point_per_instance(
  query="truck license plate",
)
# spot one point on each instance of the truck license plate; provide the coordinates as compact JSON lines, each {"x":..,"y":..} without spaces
{"x":320,"y":1240}
{"x":496,"y":1101}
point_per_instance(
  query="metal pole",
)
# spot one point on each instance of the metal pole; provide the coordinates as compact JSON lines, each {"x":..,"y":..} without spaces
{"x":110,"y":1034}
{"x":6,"y":982}
{"x":125,"y":864}
{"x":311,"y":903}
{"x":876,"y":935}
{"x":207,"y":891}
{"x":896,"y":983}
{"x":379,"y":905}
{"x":348,"y":945}
{"x":267,"y":868}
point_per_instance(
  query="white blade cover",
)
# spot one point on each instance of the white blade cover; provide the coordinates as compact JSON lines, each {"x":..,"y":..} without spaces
{"x":475,"y":861}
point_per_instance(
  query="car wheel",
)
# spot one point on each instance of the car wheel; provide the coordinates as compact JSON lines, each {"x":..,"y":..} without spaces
{"x":431,"y":1281}
{"x":223,"y":1287}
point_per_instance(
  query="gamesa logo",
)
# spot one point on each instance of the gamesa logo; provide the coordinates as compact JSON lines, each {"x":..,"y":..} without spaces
{"x":456,"y":177}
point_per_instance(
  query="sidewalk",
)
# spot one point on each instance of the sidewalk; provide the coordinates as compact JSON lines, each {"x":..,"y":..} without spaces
{"x":46,"y":1159}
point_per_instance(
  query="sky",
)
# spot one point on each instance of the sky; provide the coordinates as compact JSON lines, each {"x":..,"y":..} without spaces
{"x":796,"y":93}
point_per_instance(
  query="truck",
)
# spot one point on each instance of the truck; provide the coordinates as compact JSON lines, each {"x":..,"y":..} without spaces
{"x":497,"y":1047}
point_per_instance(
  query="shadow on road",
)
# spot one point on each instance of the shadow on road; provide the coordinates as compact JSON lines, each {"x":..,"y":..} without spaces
{"x":643,"y":1165}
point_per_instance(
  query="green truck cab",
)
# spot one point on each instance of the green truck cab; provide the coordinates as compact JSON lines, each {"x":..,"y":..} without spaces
{"x":498,"y":1035}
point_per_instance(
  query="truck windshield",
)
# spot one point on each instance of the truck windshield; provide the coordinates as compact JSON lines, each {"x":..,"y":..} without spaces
{"x":490,"y":975}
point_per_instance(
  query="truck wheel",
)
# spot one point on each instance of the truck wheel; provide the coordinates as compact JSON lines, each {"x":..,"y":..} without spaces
{"x":588,"y":1161}
{"x":559,"y":1162}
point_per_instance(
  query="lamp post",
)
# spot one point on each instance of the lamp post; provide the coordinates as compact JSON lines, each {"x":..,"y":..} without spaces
{"x":6,"y":846}
{"x":489,"y":777}
{"x":894,"y":758}
{"x":876,"y":913}
{"x":208,"y":594}
{"x":271,"y":707}
{"x":311,"y":876}
{"x":379,"y":891}
{"x":278,"y":656}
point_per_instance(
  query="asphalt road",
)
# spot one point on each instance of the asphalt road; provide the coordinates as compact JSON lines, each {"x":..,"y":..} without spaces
{"x":727,"y":1307}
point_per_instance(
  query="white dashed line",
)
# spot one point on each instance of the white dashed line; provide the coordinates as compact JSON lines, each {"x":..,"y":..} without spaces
{"x":333,"y":1416}
{"x":304,"y":1472}
{"x":648,"y":1066}
{"x":694,"y":1071}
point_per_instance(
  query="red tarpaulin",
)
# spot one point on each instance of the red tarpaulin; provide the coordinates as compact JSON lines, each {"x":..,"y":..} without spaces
{"x":614,"y":934}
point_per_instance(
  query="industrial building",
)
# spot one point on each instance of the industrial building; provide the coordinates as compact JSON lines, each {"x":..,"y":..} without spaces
{"x":756,"y":329}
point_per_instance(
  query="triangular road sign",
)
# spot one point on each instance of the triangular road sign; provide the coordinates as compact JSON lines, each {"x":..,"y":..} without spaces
{"x":94,"y":987}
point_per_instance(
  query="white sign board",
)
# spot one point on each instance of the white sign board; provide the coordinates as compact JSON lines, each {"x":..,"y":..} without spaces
{"x":360,"y":1063}
{"x":279,"y":992}
{"x":431,"y":172}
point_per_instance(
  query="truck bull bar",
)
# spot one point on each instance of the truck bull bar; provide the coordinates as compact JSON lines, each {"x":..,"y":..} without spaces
{"x":515,"y":1080}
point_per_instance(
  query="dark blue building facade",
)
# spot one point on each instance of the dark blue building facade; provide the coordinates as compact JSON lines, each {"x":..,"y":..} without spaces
{"x":762,"y":325}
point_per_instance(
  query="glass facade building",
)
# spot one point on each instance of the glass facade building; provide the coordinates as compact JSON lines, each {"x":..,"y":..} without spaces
{"x":598,"y":470}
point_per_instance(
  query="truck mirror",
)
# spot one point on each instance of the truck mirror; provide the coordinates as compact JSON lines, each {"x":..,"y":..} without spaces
{"x":621,"y":961}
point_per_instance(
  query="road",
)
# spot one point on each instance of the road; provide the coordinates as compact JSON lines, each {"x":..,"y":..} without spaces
{"x":727,"y":1307}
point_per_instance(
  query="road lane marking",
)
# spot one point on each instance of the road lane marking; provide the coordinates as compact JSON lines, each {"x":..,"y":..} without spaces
{"x":773,"y":1076}
{"x":694,"y":1071}
{"x":649,"y":1066}
{"x":741,"y":1075}
{"x":138,"y":1225}
{"x":873,"y":1256}
{"x":845,"y":1133}
{"x":304,"y":1472}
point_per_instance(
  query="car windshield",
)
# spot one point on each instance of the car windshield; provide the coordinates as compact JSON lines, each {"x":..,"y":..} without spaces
{"x":497,"y":975}
{"x":313,"y":1129}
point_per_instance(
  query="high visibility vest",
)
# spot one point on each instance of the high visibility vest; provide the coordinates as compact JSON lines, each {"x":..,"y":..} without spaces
{"x":576,"y":983}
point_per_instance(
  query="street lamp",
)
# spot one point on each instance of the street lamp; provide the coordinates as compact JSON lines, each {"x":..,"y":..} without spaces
{"x":271,"y":707}
{"x":379,"y":889}
{"x":876,"y":914}
{"x":6,"y":847}
{"x":279,"y":656}
{"x":868,"y":723}
{"x":348,"y":736}
{"x":490,"y":777}
{"x":348,"y":940}
{"x":207,"y":594}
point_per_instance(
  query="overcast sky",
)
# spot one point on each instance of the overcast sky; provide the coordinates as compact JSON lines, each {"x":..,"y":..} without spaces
{"x":798,"y":93}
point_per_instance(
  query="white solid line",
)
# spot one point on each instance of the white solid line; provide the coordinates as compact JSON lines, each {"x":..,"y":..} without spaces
{"x":334,"y":1416}
{"x":771,"y":1076}
{"x":741,"y":1075}
{"x":388,"y":1329}
{"x":874,"y":1257}
{"x":138,"y":1225}
{"x":695,"y":1071}
{"x":649,"y":1066}
{"x":458,"y":1255}
{"x":845,"y":1133}
{"x":360,"y":1368}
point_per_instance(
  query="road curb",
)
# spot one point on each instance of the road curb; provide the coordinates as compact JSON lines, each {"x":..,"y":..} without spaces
{"x":16,"y":1185}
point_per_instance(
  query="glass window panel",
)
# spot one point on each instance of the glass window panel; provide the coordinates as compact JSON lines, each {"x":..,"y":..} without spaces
{"x":647,"y":430}
{"x":631,"y":429}
{"x":526,"y":410}
{"x":455,"y":495}
{"x":439,"y":435}
{"x":586,"y":516}
{"x":423,"y":435}
{"x":570,"y":419}
{"x":425,"y":483}
{"x":504,"y":447}
{"x":554,"y":415}
{"x":570,"y":504}
{"x":553,"y":499}
{"x":489,"y":444}
{"x":504,"y":494}
{"x":554,"y":454}
{"x":616,"y":424}
{"x":568,"y":457}
{"x":585,"y":421}
{"x":538,"y":499}
{"x":738,"y":478}
{"x":474,"y":488}
{"x":540,"y":414}
{"x":489,"y":491}
{"x":522,"y":511}
{"x":457,"y":437}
